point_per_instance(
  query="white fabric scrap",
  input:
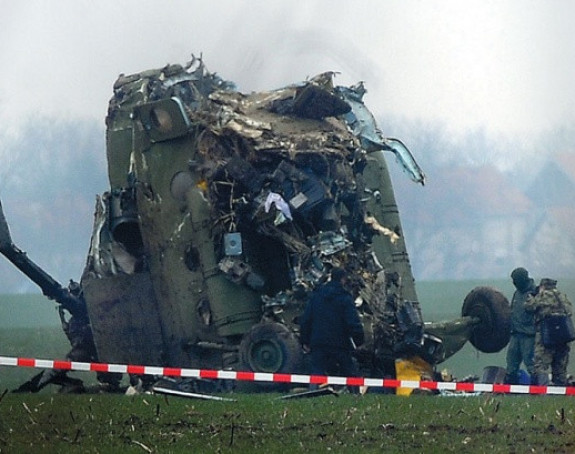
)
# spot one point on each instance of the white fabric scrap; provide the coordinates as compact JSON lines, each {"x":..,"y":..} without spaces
{"x":279,"y":202}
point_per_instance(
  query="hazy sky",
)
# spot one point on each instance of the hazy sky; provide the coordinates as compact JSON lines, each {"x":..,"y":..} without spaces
{"x":503,"y":66}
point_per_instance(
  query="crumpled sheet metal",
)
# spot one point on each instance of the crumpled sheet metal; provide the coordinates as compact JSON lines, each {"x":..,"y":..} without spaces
{"x":249,"y":117}
{"x":107,"y":257}
{"x":307,"y":143}
{"x":316,"y":157}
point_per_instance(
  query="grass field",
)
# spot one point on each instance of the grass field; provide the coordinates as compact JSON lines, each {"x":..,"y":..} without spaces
{"x":264,"y":423}
{"x":104,"y":423}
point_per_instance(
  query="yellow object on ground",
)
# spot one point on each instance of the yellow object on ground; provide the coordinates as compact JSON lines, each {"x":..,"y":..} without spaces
{"x":413,"y":368}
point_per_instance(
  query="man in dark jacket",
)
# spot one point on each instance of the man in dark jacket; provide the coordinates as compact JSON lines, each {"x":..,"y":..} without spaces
{"x":522,"y":341}
{"x":331,"y":328}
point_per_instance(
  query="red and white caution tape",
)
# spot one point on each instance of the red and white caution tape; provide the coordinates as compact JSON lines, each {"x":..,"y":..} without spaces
{"x":286,"y":378}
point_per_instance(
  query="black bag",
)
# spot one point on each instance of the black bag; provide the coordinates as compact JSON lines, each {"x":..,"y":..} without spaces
{"x":557,"y":329}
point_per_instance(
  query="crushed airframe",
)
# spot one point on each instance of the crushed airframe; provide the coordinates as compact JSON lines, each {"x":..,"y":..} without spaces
{"x":226,"y":210}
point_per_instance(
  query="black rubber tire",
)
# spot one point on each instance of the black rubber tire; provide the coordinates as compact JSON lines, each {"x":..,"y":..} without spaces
{"x":492,"y":308}
{"x":271,"y":348}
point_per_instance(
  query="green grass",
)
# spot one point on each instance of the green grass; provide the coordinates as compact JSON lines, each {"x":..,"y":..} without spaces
{"x":27,"y":311}
{"x":262,"y":423}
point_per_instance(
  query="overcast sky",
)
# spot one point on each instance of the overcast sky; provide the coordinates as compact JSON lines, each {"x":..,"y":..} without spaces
{"x":503,"y":66}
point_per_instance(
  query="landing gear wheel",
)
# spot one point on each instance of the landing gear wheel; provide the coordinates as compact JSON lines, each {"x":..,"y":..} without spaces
{"x":271,"y":348}
{"x":492,"y":308}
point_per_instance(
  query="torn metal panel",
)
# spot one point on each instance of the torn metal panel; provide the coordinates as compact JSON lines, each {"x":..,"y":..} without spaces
{"x":363,"y":124}
{"x":323,"y":391}
{"x":175,"y":392}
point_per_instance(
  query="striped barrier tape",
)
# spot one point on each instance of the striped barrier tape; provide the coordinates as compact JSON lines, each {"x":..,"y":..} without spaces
{"x":286,"y":378}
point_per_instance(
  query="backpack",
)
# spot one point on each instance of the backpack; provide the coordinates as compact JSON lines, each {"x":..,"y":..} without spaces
{"x":557,"y":329}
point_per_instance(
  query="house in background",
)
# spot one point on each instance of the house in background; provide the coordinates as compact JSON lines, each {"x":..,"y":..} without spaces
{"x":549,"y":244}
{"x":478,"y":223}
{"x":468,"y":222}
{"x":554,"y":184}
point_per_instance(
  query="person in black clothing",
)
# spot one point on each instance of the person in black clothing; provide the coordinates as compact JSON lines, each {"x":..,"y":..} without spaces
{"x":331,"y":328}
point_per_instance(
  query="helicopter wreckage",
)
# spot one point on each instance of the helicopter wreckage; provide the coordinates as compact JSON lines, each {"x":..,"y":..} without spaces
{"x":225,"y":210}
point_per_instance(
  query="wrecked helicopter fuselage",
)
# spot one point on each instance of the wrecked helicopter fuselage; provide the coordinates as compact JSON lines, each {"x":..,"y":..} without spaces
{"x":225,"y":210}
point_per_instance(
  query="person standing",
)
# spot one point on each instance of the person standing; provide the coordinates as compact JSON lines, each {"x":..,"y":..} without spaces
{"x":522,"y":340}
{"x":331,"y":329}
{"x":549,"y":301}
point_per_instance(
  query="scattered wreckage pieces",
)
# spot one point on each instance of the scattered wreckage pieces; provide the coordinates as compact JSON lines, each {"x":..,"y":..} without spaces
{"x":321,"y":391}
{"x":175,"y":392}
{"x":291,"y":182}
{"x":186,"y":387}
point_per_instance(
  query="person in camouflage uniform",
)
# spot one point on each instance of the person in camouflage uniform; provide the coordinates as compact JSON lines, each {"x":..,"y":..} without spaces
{"x":549,"y":301}
{"x":522,"y":340}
